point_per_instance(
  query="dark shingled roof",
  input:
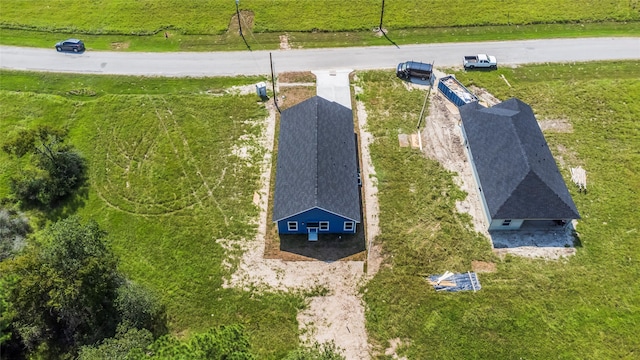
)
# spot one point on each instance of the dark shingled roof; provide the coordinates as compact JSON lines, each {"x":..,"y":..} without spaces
{"x":317,"y":164}
{"x":518,"y":175}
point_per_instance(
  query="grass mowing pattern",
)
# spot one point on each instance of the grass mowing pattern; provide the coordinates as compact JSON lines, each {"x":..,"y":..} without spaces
{"x":172,"y":169}
{"x":209,"y":25}
{"x":269,"y":41}
{"x":585,"y":307}
{"x":145,"y":17}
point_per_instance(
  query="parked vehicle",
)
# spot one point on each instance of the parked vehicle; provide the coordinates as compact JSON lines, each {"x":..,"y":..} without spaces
{"x":414,"y":69}
{"x":74,"y":45}
{"x":480,"y":61}
{"x":453,"y":90}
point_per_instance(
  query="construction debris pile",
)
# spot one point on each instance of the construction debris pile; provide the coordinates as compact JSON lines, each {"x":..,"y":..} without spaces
{"x":455,"y":282}
{"x":579,"y":177}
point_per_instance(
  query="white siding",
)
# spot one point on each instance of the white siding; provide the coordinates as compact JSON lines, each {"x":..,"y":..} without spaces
{"x":475,"y":177}
{"x":499,"y":224}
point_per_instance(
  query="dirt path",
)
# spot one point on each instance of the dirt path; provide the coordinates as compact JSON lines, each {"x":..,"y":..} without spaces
{"x":442,"y":141}
{"x":338,"y":316}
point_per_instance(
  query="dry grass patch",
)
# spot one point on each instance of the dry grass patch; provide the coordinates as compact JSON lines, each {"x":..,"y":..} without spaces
{"x":483,"y":266}
{"x":556,"y":125}
{"x":297,"y":77}
{"x":120,"y":45}
{"x":291,"y":96}
{"x":246,"y":20}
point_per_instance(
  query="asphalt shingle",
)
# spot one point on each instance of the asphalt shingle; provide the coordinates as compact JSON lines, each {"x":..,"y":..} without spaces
{"x":317,"y":164}
{"x":518,"y":174}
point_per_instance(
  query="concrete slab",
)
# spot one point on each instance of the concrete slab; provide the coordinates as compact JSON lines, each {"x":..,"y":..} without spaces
{"x":403,"y":139}
{"x":334,"y":85}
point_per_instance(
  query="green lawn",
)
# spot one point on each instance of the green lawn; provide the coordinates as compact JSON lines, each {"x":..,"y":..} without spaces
{"x":584,"y":307}
{"x":207,"y":25}
{"x":214,"y":16}
{"x":166,"y":183}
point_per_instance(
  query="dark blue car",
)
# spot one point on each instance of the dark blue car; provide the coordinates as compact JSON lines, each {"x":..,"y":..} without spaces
{"x":414,"y":69}
{"x":74,"y":45}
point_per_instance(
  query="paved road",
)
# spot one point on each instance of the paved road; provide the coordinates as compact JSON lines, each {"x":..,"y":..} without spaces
{"x":257,"y":62}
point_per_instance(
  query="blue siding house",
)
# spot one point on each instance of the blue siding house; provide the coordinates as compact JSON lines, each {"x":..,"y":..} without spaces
{"x":317,"y":187}
{"x":518,"y":180}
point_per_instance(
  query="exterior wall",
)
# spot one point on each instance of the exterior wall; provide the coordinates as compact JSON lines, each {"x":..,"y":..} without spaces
{"x":336,"y":223}
{"x":498,"y":224}
{"x":485,"y":208}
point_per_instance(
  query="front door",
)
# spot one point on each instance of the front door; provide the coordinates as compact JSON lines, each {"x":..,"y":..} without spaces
{"x":312,"y":233}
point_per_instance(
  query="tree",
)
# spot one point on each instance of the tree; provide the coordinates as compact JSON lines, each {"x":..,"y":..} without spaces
{"x":5,"y":314}
{"x":56,"y":169}
{"x":222,"y":343}
{"x":65,"y":288}
{"x":317,"y":351}
{"x":127,"y":344}
{"x":140,"y":309}
{"x":64,"y":291}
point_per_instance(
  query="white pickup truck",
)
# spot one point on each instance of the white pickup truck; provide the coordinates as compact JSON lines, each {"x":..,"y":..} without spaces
{"x":480,"y":61}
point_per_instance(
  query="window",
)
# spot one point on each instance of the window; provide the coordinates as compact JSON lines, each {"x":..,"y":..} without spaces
{"x":292,"y":225}
{"x":506,"y":222}
{"x":348,"y":225}
{"x":324,"y":226}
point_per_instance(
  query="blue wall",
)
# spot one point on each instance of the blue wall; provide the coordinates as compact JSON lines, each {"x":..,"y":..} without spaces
{"x":336,"y":223}
{"x":452,"y":95}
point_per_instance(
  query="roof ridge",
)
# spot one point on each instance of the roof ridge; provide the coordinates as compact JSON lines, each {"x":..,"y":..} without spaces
{"x":552,"y":190}
{"x":506,"y":199}
{"x":514,"y":130}
{"x":315,"y":143}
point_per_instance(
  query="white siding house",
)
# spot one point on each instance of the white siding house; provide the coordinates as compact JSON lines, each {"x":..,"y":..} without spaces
{"x":517,"y":177}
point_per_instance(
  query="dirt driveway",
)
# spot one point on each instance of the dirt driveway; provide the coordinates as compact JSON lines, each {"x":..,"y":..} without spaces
{"x":338,"y":316}
{"x":442,"y":141}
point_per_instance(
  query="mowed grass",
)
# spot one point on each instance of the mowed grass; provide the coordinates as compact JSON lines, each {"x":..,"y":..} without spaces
{"x":208,"y":25}
{"x":583,"y":307}
{"x":173,"y":166}
{"x":214,"y":16}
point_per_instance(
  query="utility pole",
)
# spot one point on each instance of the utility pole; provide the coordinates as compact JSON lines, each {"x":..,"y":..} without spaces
{"x":381,"y":17}
{"x":238,"y":16}
{"x":273,"y":84}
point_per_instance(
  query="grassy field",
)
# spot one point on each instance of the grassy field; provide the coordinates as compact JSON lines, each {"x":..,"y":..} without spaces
{"x":212,"y":24}
{"x":168,"y":178}
{"x":584,"y":307}
{"x":172,"y":169}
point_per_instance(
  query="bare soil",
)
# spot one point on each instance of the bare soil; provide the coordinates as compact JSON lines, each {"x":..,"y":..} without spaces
{"x":246,"y":20}
{"x":284,"y":42}
{"x":483,"y":266}
{"x":442,"y":140}
{"x":289,"y":96}
{"x":292,"y":265}
{"x":394,"y":344}
{"x":379,"y":32}
{"x":120,"y":45}
{"x":342,"y":265}
{"x":296,"y":77}
{"x":555,"y":125}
